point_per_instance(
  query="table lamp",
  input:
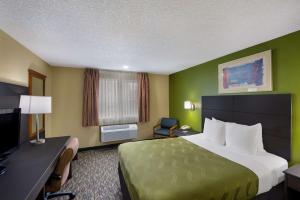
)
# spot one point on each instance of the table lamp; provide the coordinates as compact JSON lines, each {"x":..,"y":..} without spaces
{"x":35,"y":105}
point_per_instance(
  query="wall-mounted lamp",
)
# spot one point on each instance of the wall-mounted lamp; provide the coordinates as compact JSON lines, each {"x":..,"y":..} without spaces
{"x":188,"y":105}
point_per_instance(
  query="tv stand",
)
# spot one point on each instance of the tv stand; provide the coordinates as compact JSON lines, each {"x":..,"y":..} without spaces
{"x":2,"y":170}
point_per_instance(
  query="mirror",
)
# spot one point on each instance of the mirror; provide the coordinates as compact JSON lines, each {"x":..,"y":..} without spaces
{"x":36,"y":88}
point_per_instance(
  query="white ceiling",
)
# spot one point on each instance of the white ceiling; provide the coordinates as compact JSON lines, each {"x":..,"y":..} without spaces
{"x":159,"y":36}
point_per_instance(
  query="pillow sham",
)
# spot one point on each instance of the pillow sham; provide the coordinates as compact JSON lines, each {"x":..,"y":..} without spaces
{"x":260,"y":144}
{"x":242,"y":138}
{"x":214,"y":131}
{"x":258,"y":129}
{"x":214,"y":119}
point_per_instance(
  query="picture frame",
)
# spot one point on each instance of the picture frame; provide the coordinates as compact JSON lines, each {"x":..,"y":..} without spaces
{"x":248,"y":74}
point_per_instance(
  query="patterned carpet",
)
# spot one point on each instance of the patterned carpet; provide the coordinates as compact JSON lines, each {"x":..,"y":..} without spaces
{"x":95,"y":176}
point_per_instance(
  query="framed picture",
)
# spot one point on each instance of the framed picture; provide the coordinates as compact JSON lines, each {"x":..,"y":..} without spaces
{"x":249,"y":74}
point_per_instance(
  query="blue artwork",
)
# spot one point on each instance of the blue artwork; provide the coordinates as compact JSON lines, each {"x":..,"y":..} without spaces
{"x":249,"y":74}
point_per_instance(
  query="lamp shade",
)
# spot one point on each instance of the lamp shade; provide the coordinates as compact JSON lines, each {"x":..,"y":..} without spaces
{"x":35,"y":104}
{"x":188,"y":105}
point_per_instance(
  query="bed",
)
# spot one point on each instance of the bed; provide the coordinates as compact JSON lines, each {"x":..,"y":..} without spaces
{"x":192,"y":168}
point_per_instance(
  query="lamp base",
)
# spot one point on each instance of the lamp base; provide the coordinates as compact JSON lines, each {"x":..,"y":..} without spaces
{"x":35,"y":141}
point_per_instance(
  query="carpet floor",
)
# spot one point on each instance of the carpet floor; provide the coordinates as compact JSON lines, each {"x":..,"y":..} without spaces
{"x":95,"y":176}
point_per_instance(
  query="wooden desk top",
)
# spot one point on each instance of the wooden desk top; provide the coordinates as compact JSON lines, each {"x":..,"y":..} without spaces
{"x":29,"y":167}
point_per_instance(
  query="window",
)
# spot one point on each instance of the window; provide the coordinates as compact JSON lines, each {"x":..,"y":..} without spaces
{"x":118,"y":97}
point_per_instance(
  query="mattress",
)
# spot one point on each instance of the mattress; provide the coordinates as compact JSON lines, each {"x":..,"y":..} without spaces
{"x":268,"y":167}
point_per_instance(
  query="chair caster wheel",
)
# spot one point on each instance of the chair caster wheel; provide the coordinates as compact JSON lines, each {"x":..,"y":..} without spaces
{"x":72,"y":196}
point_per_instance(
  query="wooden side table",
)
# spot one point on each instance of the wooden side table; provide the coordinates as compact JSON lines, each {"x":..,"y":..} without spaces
{"x":292,"y":183}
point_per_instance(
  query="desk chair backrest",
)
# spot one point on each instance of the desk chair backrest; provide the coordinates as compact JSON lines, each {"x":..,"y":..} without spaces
{"x":168,"y":122}
{"x":74,"y":145}
{"x":60,"y":174}
{"x":62,"y":168}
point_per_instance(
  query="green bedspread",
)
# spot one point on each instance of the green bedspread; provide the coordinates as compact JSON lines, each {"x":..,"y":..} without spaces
{"x":169,"y":169}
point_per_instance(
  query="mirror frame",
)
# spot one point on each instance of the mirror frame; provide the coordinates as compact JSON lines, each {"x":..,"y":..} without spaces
{"x":35,"y":74}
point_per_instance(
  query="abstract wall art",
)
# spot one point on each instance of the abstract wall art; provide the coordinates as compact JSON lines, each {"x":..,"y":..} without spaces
{"x":249,"y":74}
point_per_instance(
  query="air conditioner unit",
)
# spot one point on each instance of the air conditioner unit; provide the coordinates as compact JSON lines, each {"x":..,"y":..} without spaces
{"x":114,"y":133}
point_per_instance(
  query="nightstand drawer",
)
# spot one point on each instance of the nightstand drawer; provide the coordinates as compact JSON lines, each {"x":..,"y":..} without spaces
{"x":293,"y":182}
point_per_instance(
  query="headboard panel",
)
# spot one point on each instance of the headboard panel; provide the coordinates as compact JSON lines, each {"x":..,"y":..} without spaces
{"x":272,"y":111}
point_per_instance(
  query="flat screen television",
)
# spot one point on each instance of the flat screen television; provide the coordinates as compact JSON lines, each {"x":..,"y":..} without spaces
{"x":9,"y":130}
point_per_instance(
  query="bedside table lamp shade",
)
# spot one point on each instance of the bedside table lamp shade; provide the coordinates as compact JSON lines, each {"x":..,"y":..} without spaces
{"x":35,"y":105}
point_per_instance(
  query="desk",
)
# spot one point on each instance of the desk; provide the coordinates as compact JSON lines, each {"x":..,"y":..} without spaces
{"x":28,"y":169}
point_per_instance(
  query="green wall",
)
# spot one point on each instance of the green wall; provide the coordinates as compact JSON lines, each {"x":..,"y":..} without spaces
{"x":201,"y":80}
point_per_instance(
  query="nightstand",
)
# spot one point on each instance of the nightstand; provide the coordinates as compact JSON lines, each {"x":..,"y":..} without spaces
{"x":292,"y":182}
{"x":180,"y":132}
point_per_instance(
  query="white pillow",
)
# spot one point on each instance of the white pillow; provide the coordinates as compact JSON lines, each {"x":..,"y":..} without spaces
{"x":260,"y":144}
{"x":214,"y":131}
{"x":214,"y":119}
{"x":242,"y":138}
{"x":258,"y":127}
{"x":219,"y":121}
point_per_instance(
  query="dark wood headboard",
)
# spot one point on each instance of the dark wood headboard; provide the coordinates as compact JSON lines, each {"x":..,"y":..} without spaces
{"x":10,"y":98}
{"x":272,"y":111}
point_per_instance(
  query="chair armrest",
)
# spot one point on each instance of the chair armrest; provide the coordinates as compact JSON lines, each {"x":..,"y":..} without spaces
{"x":156,"y":126}
{"x":56,"y":176}
{"x":171,"y":130}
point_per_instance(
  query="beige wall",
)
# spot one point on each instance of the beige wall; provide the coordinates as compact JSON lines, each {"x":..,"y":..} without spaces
{"x":67,"y":89}
{"x":15,"y":60}
{"x":65,"y":85}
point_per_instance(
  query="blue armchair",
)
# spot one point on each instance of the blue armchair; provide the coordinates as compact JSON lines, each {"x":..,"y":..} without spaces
{"x":165,"y":127}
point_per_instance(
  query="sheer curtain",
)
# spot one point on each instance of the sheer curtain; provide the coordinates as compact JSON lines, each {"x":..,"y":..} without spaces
{"x":118,"y":97}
